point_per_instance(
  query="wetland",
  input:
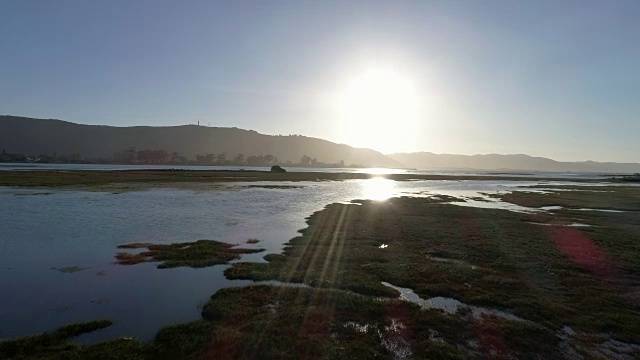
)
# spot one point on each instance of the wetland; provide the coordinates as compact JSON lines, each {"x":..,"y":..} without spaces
{"x":394,"y":266}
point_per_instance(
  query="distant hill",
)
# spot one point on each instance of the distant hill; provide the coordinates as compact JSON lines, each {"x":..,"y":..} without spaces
{"x":44,"y":137}
{"x":427,"y":160}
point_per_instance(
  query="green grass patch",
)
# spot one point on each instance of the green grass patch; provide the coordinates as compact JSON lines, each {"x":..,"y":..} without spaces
{"x":198,"y":254}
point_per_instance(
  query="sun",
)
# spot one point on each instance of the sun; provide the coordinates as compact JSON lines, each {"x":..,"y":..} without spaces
{"x":379,"y":108}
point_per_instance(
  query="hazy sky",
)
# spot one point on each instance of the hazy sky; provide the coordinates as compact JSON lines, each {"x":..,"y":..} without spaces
{"x":550,"y":78}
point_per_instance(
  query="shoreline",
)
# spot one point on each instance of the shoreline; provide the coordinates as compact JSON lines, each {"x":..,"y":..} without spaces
{"x":61,"y":178}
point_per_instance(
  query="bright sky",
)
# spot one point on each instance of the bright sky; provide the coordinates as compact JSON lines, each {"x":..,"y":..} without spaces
{"x":559,"y":79}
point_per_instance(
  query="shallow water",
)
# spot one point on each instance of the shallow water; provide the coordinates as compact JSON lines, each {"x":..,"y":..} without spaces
{"x":43,"y":231}
{"x":449,"y":305}
{"x":556,"y":207}
{"x":541,"y":174}
{"x":601,"y":210}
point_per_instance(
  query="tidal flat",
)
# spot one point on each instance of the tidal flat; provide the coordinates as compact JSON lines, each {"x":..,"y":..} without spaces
{"x":62,"y":178}
{"x":573,"y":292}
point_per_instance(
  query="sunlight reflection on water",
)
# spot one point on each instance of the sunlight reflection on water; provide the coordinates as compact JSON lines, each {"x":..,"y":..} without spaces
{"x":378,"y":189}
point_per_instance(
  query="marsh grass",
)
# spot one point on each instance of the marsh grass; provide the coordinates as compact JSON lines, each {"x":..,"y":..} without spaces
{"x":198,"y":254}
{"x":502,"y":261}
{"x":56,"y":178}
{"x":272,"y":322}
{"x":268,"y":322}
{"x":578,"y":196}
{"x":53,"y":345}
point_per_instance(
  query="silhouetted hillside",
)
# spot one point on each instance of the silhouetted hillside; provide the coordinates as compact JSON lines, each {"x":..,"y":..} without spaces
{"x":45,"y":137}
{"x":39,"y":136}
{"x":427,"y":160}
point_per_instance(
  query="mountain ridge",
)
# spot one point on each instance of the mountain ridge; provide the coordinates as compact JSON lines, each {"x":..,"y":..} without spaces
{"x":432,"y":161}
{"x":45,"y":136}
{"x":34,"y":136}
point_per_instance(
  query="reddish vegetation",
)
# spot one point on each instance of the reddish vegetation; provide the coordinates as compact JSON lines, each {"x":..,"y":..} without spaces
{"x":492,"y":338}
{"x":226,"y":344}
{"x":229,"y":341}
{"x":471,"y":229}
{"x":582,"y":250}
{"x":317,"y":322}
{"x":401,"y":313}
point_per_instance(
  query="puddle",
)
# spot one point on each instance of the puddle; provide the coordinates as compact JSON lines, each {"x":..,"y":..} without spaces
{"x":484,"y":200}
{"x":571,"y":225}
{"x":449,"y":305}
{"x":575,"y":190}
{"x":551,"y":208}
{"x":556,"y":207}
{"x":492,"y":204}
{"x":601,"y":210}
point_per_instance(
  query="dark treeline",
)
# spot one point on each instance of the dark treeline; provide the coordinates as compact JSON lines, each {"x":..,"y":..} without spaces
{"x":132,"y":156}
{"x":74,"y":158}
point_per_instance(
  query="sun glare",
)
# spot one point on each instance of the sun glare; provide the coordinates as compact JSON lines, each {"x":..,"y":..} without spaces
{"x":378,"y":189}
{"x":379,"y":108}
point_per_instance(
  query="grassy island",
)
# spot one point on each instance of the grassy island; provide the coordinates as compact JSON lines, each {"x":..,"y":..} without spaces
{"x":201,"y":253}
